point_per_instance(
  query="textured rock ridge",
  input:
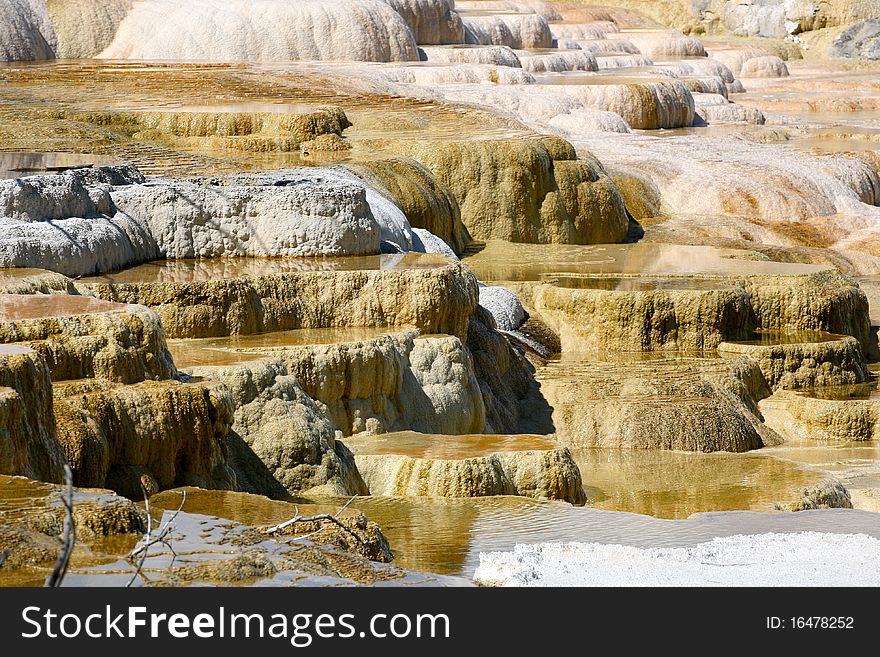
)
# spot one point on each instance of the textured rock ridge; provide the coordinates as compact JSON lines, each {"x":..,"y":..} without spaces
{"x":829,"y":361}
{"x":28,"y":445}
{"x":543,"y":475}
{"x":157,"y":434}
{"x":80,"y":337}
{"x":68,"y":223}
{"x":229,"y":305}
{"x":526,"y":190}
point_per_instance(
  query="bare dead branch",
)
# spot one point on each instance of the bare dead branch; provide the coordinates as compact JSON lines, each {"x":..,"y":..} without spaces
{"x":68,"y":539}
{"x":148,"y":534}
{"x":319,"y":518}
{"x":162,"y":537}
{"x":4,"y":556}
{"x":346,"y":505}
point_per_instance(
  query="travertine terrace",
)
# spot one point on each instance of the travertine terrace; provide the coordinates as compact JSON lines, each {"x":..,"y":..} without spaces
{"x":456,"y":260}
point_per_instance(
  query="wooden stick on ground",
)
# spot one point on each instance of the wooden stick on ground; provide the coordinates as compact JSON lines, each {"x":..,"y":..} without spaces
{"x":68,"y":539}
{"x":322,"y":517}
{"x":162,"y":537}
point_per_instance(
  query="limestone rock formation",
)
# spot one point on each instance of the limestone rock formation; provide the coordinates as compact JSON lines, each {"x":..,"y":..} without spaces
{"x":513,"y":30}
{"x":570,"y":123}
{"x":28,"y":445}
{"x":728,"y":113}
{"x":82,"y":337}
{"x":679,"y":404}
{"x":798,"y":201}
{"x":286,"y":430}
{"x":771,"y":19}
{"x":541,"y":7}
{"x":751,"y":62}
{"x":305,"y":214}
{"x":532,"y":190}
{"x":427,"y":203}
{"x":824,"y":361}
{"x":431,"y":21}
{"x":611,"y":62}
{"x":269,"y":30}
{"x":584,"y":31}
{"x":68,"y":223}
{"x":504,"y":306}
{"x":83,"y":28}
{"x":458,"y":74}
{"x":394,"y":383}
{"x":153,"y":434}
{"x":511,"y":398}
{"x":34,"y":281}
{"x":539,"y":474}
{"x":398,"y":382}
{"x":550,"y":109}
{"x":829,"y":494}
{"x":556,"y":62}
{"x":424,"y":241}
{"x":599,"y":46}
{"x":860,"y":41}
{"x":32,"y":518}
{"x":208,"y":128}
{"x":49,"y":29}
{"x":707,"y":90}
{"x":644,"y":105}
{"x":41,"y":198}
{"x":395,"y":232}
{"x":769,"y":66}
{"x":23,"y":31}
{"x":765,"y":18}
{"x":665,"y":44}
{"x":594,"y":315}
{"x":534,"y":335}
{"x":219,"y":298}
{"x":488,"y":55}
{"x":826,"y":301}
{"x":702,"y":66}
{"x":842,"y":414}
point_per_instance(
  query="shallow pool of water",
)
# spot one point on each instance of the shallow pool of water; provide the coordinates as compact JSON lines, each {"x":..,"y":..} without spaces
{"x":506,"y":261}
{"x":857,"y":465}
{"x":37,"y":306}
{"x":432,"y":446}
{"x":773,"y":338}
{"x":447,"y":535}
{"x":614,"y":284}
{"x":858,"y":391}
{"x":188,"y":271}
{"x":21,"y":164}
{"x":243,"y":348}
{"x":667,"y":484}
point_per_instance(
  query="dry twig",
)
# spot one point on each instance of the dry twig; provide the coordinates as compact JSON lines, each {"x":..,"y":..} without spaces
{"x":68,"y":539}
{"x":162,"y":537}
{"x":324,"y":516}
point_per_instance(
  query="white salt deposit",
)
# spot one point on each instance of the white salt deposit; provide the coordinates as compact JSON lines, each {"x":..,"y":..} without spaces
{"x":503,"y":305}
{"x":800,"y":559}
{"x":263,"y":30}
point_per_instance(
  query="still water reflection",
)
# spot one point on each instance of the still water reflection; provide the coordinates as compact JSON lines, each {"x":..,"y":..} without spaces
{"x":446,"y":535}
